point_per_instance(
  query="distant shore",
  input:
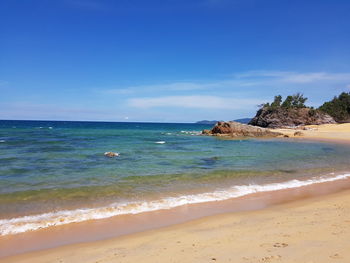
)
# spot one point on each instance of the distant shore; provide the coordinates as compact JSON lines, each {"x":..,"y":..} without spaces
{"x":325,"y":132}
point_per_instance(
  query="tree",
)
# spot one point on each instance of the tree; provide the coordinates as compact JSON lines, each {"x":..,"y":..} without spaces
{"x":264,"y":105}
{"x":292,"y":101}
{"x":277,"y":102}
{"x":295,"y":101}
{"x":338,"y":108}
{"x":298,"y":101}
{"x":287,"y":103}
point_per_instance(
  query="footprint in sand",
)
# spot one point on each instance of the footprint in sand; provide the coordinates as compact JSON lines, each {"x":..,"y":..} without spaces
{"x":280,"y":245}
{"x":335,"y":256}
{"x":268,"y":245}
{"x":270,"y":258}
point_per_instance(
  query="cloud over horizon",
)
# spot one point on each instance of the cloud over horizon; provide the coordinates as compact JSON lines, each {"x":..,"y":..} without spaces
{"x":196,"y":102}
{"x":252,"y":79}
{"x":235,"y":96}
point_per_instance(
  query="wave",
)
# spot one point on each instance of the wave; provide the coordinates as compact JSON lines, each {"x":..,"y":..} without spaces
{"x":35,"y":222}
{"x":191,"y":132}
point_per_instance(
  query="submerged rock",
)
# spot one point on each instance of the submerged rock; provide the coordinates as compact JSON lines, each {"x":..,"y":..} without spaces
{"x":111,"y":154}
{"x":236,"y":129}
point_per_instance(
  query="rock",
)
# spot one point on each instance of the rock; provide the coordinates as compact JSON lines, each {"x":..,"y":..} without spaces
{"x":298,"y":133}
{"x":206,"y":132}
{"x":235,"y":129}
{"x":111,"y":154}
{"x":286,"y":136}
{"x":289,"y":117}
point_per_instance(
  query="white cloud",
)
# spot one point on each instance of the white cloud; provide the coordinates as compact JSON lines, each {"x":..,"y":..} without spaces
{"x":175,"y":86}
{"x":196,"y":102}
{"x":239,"y":92}
{"x":292,"y":77}
{"x":253,"y":79}
{"x":233,"y":97}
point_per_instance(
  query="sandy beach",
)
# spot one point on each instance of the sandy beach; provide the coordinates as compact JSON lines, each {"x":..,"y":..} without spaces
{"x":312,"y":229}
{"x":328,"y":132}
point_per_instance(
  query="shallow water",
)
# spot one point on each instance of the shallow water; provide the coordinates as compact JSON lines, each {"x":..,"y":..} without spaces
{"x":60,"y":168}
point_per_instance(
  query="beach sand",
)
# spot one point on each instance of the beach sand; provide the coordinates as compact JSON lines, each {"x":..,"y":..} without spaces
{"x":329,"y":132}
{"x":309,"y":230}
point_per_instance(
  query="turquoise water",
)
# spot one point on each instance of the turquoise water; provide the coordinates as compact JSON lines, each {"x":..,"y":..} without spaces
{"x":56,"y":166}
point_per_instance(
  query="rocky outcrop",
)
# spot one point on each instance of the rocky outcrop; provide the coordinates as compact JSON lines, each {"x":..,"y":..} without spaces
{"x":235,"y":129}
{"x":292,"y":117}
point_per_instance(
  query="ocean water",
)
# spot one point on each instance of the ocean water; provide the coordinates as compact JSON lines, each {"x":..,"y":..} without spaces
{"x":54,"y":173}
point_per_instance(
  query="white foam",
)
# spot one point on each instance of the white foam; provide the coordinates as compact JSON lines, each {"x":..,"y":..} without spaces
{"x":191,"y":132}
{"x":160,"y":142}
{"x":2,"y":141}
{"x":34,"y":222}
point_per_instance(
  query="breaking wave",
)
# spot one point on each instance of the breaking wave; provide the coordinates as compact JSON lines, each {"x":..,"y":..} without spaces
{"x":35,"y":222}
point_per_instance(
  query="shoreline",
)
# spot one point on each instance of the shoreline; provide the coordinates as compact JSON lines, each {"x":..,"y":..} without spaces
{"x":40,"y":221}
{"x":314,"y":229}
{"x":117,"y":227}
{"x":53,"y":241}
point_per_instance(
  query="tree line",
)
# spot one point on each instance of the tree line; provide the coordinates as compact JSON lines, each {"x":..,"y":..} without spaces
{"x":338,"y":107}
{"x":292,"y":101}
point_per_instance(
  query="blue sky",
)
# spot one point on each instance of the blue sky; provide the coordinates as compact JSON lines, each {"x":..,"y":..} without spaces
{"x":169,"y":60}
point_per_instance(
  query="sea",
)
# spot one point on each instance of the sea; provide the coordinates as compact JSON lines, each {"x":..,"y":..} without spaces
{"x":56,"y":172}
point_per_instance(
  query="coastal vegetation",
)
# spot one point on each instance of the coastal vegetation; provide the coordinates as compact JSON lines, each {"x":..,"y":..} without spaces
{"x":292,"y":101}
{"x":338,"y":107}
{"x":289,"y":112}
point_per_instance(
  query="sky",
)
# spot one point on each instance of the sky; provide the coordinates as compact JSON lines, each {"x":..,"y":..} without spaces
{"x":168,"y":60}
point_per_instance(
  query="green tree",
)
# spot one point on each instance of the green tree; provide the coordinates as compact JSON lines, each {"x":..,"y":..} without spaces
{"x":299,"y":100}
{"x":277,"y":102}
{"x":287,"y":103}
{"x":338,"y":108}
{"x":264,"y":105}
{"x":295,"y":101}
